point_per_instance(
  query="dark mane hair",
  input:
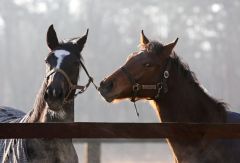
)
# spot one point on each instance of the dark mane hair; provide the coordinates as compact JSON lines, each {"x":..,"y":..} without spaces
{"x":152,"y":47}
{"x":184,"y":70}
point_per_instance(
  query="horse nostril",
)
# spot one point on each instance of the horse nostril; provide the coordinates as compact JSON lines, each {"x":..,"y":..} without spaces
{"x":57,"y":93}
{"x":60,"y":94}
{"x":47,"y":93}
{"x":108,"y":85}
{"x":101,"y":83}
{"x":53,"y":93}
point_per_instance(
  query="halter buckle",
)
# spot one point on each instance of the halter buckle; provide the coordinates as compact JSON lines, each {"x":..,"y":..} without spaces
{"x":136,"y":87}
{"x":159,"y":85}
{"x":159,"y":88}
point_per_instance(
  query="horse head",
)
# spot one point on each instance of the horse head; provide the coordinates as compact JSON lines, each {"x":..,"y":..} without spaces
{"x":62,"y":68}
{"x":137,"y":78}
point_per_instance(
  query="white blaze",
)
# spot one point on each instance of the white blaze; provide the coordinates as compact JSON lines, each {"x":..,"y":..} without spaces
{"x":60,"y":54}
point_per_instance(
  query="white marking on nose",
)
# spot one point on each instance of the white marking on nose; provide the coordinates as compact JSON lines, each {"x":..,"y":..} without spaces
{"x":54,"y":92}
{"x":60,"y":54}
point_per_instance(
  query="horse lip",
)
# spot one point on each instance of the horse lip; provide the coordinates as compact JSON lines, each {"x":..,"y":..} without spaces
{"x":109,"y":99}
{"x":104,"y":95}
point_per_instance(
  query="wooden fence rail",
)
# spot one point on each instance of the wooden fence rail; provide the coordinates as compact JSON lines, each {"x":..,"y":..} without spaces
{"x":95,"y":130}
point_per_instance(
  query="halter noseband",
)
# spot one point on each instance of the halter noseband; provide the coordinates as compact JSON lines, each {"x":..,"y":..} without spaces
{"x":159,"y":86}
{"x":71,"y":85}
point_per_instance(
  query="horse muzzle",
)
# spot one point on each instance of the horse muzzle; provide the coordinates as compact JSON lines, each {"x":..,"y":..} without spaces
{"x":54,"y":96}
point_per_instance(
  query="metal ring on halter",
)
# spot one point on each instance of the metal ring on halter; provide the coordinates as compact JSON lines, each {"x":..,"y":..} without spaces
{"x":166,"y":74}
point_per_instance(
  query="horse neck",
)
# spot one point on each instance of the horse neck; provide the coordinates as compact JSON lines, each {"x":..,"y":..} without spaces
{"x":50,"y":150}
{"x":42,"y":113}
{"x":186,"y":100}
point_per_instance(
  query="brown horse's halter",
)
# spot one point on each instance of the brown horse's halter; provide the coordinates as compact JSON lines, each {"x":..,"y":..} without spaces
{"x":72,"y":86}
{"x":158,"y":87}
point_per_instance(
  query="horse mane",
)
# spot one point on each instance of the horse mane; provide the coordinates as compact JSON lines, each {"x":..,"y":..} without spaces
{"x":186,"y":72}
{"x":183,"y":69}
{"x":152,"y":47}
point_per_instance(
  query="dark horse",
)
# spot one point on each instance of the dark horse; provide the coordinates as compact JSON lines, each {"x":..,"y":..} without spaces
{"x":54,"y":103}
{"x":156,"y":73}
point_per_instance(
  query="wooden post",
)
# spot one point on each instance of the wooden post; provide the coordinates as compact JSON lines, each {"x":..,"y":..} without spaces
{"x":93,"y":152}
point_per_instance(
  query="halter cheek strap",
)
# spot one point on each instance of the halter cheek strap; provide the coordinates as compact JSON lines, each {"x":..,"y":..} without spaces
{"x":135,"y":87}
{"x":72,"y":86}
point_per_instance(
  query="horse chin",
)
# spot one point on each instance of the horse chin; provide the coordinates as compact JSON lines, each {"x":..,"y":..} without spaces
{"x":114,"y":99}
{"x":60,"y":114}
{"x":55,"y":106}
{"x":109,"y":99}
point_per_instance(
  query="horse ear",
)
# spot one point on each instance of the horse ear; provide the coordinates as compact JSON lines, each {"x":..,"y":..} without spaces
{"x":167,"y":49}
{"x":81,"y":42}
{"x":143,"y":39}
{"x":52,"y":40}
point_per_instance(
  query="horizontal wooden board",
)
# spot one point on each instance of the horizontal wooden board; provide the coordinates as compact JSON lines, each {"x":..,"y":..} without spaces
{"x":96,"y":130}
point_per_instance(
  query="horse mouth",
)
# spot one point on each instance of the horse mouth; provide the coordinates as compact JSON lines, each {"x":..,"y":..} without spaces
{"x":107,"y":97}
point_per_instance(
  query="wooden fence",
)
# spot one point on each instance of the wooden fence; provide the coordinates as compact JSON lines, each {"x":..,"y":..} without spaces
{"x":93,"y":130}
{"x":86,"y":131}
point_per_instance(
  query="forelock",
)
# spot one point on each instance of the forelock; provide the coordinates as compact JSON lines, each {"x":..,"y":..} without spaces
{"x":152,"y":46}
{"x":70,"y":41}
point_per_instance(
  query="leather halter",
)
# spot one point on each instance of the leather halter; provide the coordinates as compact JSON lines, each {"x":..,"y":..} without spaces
{"x":72,"y":86}
{"x":158,"y":87}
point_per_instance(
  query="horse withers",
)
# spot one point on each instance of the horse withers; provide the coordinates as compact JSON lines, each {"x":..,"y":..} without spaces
{"x":54,"y":103}
{"x":156,"y":73}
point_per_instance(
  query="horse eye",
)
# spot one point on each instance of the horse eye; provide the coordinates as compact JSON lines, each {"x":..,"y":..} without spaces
{"x":147,"y":65}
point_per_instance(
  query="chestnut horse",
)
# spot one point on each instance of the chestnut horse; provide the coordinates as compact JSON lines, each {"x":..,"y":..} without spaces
{"x":54,"y":103}
{"x":156,"y":73}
